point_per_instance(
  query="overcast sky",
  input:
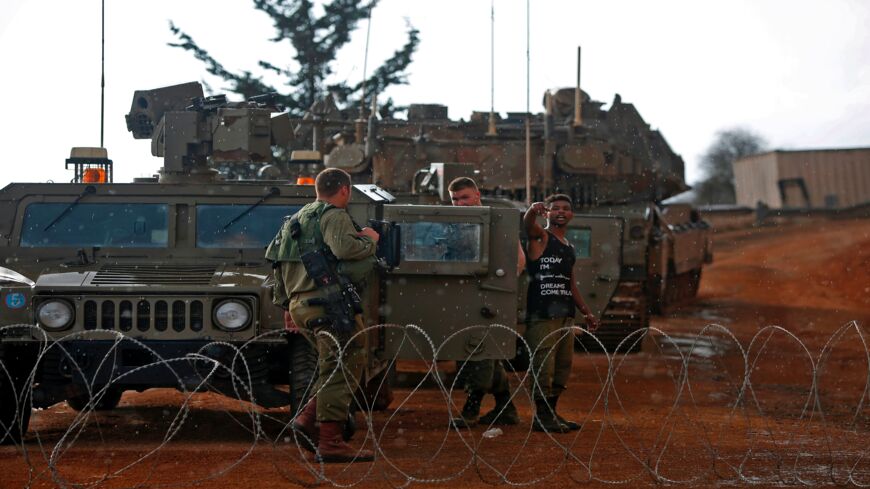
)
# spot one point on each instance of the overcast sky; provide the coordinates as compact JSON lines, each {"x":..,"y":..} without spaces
{"x":795,"y":71}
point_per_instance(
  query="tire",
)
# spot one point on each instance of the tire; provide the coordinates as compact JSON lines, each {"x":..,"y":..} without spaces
{"x":14,"y":397}
{"x":303,"y":371}
{"x":109,"y":401}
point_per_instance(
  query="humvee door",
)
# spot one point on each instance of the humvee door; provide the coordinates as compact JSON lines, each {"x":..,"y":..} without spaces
{"x":456,"y":278}
{"x":597,"y":244}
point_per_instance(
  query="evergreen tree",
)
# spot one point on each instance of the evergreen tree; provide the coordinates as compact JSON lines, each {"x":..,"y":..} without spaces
{"x":316,"y":41}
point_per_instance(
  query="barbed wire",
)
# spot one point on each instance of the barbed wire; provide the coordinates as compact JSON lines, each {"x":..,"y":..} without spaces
{"x":762,"y":411}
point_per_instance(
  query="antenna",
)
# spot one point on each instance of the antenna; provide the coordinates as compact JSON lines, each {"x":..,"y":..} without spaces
{"x":362,"y":102}
{"x":103,"y":72}
{"x":360,"y":122}
{"x":491,"y":131}
{"x":578,"y":96}
{"x":528,"y":114}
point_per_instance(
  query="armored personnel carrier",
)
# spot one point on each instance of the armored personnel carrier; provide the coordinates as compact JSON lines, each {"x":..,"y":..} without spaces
{"x":617,"y":170}
{"x":162,"y":282}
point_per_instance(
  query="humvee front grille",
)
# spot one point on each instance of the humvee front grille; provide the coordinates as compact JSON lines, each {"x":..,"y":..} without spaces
{"x":144,"y":314}
{"x":153,"y":275}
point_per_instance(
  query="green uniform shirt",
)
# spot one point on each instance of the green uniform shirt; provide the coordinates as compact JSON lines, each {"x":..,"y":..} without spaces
{"x":340,"y":235}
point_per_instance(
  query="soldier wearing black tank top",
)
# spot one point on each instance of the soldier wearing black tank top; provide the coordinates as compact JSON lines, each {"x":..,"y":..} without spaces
{"x":552,"y":297}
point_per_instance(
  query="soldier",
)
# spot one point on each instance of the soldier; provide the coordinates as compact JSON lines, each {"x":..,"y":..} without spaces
{"x":552,"y":297}
{"x":483,"y":376}
{"x":324,"y":226}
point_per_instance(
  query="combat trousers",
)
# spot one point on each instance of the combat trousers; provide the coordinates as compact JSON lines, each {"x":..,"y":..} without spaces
{"x":338,"y":378}
{"x":551,"y":342}
{"x":487,"y":376}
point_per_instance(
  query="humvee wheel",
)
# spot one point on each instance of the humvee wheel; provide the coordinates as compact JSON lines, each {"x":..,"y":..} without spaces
{"x":303,"y":371}
{"x":109,"y":401}
{"x":14,"y":401}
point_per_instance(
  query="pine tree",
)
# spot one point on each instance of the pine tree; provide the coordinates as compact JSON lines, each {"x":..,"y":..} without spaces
{"x":316,"y":41}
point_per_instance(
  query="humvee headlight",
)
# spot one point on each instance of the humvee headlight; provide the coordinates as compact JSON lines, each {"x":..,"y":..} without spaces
{"x":54,"y":315}
{"x":232,"y":315}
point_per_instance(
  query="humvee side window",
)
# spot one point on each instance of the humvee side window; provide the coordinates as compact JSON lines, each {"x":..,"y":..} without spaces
{"x":228,"y":226}
{"x":582,"y":241}
{"x":441,"y":241}
{"x":113,"y":225}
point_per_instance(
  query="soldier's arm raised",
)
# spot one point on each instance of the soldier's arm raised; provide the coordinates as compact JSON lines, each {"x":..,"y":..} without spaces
{"x":530,"y":220}
{"x":341,"y":237}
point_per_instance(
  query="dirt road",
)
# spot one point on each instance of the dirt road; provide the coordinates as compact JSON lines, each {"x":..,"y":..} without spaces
{"x":733,"y":389}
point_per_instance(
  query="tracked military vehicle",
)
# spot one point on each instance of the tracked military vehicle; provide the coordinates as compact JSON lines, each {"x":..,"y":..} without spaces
{"x":617,"y":170}
{"x":162,"y":282}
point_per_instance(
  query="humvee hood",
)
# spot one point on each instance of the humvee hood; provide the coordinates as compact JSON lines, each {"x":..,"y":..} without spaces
{"x":7,"y":275}
{"x":153,"y":276}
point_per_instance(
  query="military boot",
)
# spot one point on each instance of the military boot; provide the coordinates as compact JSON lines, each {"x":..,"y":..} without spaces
{"x":333,"y":449}
{"x":545,"y":418}
{"x":470,"y":411}
{"x":504,"y":413}
{"x":305,"y":426}
{"x":573,"y":426}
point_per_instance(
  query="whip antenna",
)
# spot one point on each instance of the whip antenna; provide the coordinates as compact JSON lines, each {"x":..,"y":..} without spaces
{"x":360,"y":121}
{"x":362,"y":102}
{"x":103,"y":72}
{"x":491,"y":131}
{"x":528,"y":115}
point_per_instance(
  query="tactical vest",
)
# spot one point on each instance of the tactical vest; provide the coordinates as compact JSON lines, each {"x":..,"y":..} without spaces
{"x":286,"y":249}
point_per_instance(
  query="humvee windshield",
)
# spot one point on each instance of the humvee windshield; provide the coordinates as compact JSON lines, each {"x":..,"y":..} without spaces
{"x":230,"y":226}
{"x":441,"y":241}
{"x":118,"y":225}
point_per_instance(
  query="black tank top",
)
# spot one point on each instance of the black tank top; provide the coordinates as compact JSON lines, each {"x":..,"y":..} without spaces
{"x":550,"y":281}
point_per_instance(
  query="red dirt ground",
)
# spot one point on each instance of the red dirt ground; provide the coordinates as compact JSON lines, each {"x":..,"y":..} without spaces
{"x":680,"y":410}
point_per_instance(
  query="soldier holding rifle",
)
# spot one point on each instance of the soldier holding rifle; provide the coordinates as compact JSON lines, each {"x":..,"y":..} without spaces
{"x":319,"y":254}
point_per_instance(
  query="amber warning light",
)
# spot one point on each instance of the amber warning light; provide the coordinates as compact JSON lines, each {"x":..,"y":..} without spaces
{"x":91,"y":165}
{"x":305,"y":181}
{"x":94,"y":175}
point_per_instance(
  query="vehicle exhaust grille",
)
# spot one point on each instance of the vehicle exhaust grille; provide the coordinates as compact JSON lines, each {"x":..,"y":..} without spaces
{"x":153,"y":275}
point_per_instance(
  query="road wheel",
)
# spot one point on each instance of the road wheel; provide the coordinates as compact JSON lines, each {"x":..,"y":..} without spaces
{"x":111,"y":398}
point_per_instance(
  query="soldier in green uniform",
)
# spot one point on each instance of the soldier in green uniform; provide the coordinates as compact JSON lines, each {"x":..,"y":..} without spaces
{"x":324,"y":225}
{"x":481,"y":377}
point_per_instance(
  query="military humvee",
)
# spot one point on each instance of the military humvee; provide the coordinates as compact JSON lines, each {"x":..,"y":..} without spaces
{"x":162,"y":282}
